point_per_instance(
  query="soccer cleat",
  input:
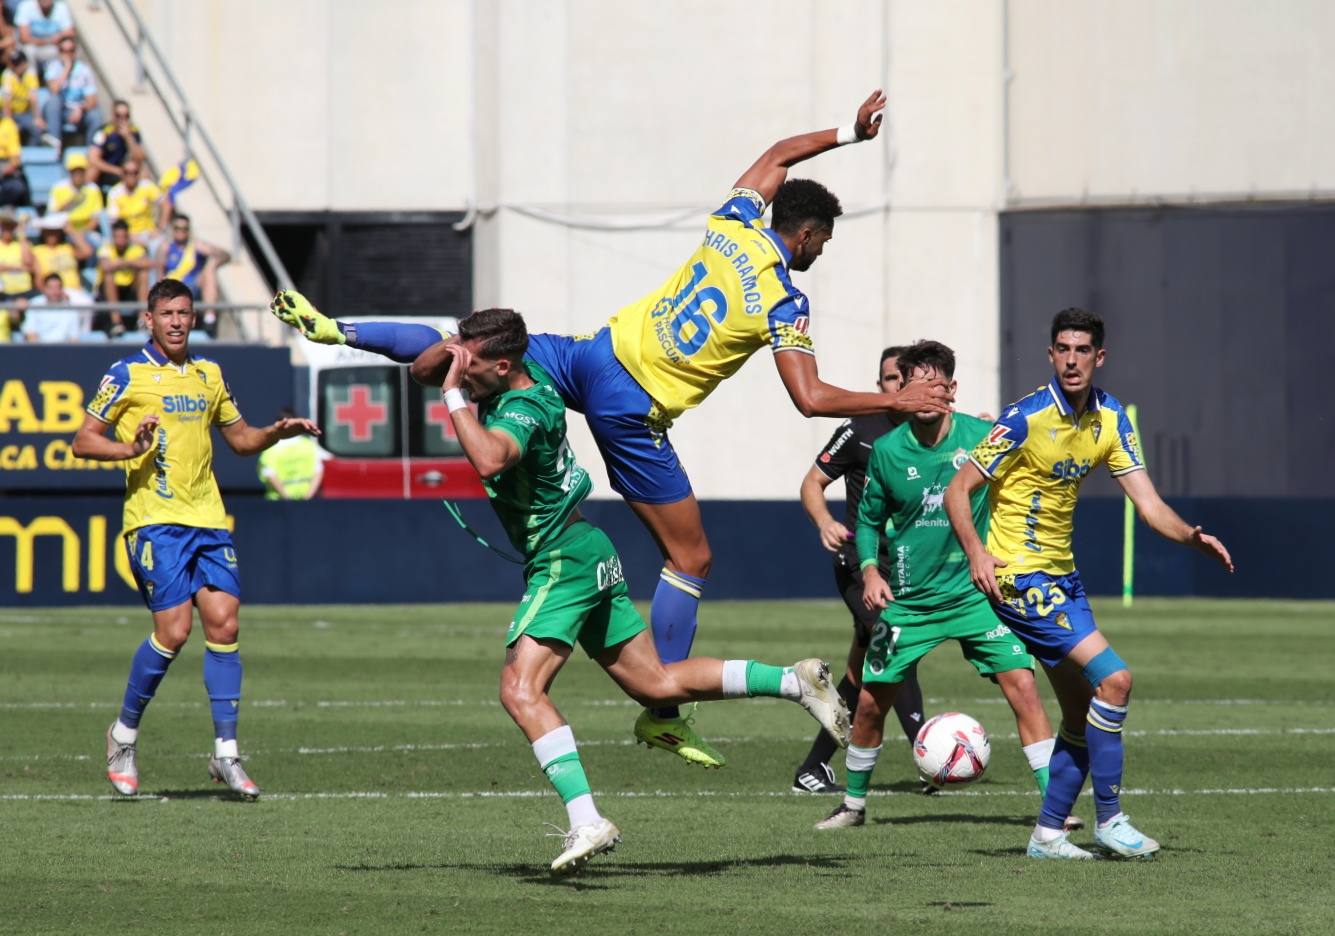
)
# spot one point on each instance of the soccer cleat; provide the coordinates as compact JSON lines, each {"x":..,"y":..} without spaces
{"x":822,"y":700}
{"x":819,"y":779}
{"x":928,"y":789}
{"x":583,"y":843}
{"x":122,"y":770}
{"x":1119,"y":837}
{"x":1060,"y":848}
{"x":228,"y":770}
{"x":677,"y":735}
{"x":292,"y":308}
{"x":843,"y":818}
{"x":1073,"y":824}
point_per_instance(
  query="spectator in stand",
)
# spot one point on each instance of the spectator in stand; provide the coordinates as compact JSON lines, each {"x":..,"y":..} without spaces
{"x":9,"y":38}
{"x":80,"y":201}
{"x":122,"y":276}
{"x":43,"y":25}
{"x":19,"y":98}
{"x":54,"y":254}
{"x":113,"y":145}
{"x":73,"y":93}
{"x":139,"y":203}
{"x":13,"y":181}
{"x":16,"y":263}
{"x":46,"y":325}
{"x":194,"y":263}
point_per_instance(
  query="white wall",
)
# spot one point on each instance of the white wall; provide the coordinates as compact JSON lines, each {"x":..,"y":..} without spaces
{"x":595,"y":109}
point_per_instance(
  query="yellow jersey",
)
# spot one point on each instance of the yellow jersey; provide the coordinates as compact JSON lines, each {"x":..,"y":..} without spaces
{"x":172,"y":482}
{"x":58,"y":258}
{"x":10,"y":144}
{"x":729,"y":300}
{"x":1036,"y":456}
{"x":81,"y":205}
{"x":138,"y":209}
{"x":14,"y":282}
{"x":19,"y":91}
{"x":122,"y":278}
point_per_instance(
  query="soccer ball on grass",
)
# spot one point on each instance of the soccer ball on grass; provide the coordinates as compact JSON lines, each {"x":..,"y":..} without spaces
{"x":951,"y":750}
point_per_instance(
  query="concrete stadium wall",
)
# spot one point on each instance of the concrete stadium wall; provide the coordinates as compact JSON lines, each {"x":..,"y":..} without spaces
{"x":589,"y":111}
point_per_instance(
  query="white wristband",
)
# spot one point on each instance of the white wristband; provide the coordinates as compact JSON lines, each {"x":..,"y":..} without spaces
{"x":846,"y":134}
{"x":454,"y":399}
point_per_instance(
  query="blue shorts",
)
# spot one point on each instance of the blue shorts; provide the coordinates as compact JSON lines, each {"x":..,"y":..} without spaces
{"x":172,"y":562}
{"x":1050,"y":613}
{"x":641,"y":463}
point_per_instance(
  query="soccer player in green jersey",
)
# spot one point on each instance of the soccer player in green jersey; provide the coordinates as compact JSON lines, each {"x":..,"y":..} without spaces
{"x":929,"y":597}
{"x":575,"y":590}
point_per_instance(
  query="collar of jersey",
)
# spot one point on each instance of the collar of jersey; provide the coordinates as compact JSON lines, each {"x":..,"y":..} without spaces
{"x":780,"y":246}
{"x":151,"y":352}
{"x":1064,"y":405}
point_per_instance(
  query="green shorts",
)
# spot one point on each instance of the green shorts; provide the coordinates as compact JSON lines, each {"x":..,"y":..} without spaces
{"x":575,"y":590}
{"x":902,"y":638}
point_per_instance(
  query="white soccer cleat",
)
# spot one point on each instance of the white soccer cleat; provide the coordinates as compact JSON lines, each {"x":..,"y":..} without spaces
{"x":821,"y":699}
{"x":228,"y":770}
{"x":843,"y":818}
{"x":1060,"y":848}
{"x":1119,"y":837}
{"x":583,"y":842}
{"x":122,"y":770}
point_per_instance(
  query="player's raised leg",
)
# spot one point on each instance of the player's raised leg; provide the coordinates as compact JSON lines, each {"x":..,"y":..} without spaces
{"x":637,"y":669}
{"x":679,"y":531}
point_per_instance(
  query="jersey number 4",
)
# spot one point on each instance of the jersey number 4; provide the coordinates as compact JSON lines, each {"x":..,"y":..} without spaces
{"x":704,"y":307}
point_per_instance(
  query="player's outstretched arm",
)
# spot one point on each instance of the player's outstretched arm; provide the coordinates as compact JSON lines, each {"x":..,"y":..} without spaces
{"x":768,"y":172}
{"x":251,"y":440}
{"x":91,"y":440}
{"x":1164,"y":520}
{"x":814,"y":397}
{"x":982,"y":564}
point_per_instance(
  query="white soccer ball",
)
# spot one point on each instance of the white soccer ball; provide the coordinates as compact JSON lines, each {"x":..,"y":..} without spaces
{"x":951,"y":750}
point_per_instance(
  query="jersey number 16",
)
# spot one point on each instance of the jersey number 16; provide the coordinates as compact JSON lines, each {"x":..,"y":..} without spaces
{"x":704,"y":306}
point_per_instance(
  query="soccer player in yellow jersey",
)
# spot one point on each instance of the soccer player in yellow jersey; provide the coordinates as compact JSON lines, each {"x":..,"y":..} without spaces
{"x":666,"y":352}
{"x":162,"y":402}
{"x":1035,"y":457}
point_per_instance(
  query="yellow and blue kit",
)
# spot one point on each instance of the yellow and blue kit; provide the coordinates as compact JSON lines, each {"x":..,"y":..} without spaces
{"x":666,"y":352}
{"x":1036,"y":456}
{"x":174,"y":520}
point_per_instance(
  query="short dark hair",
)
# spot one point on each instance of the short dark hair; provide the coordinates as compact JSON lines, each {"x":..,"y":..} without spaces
{"x":53,"y":276}
{"x":167,"y":289}
{"x":180,"y":216}
{"x":120,"y":224}
{"x":18,"y":58}
{"x":1074,"y":319}
{"x":801,"y":200}
{"x":501,"y":331}
{"x":928,"y":353}
{"x":894,"y":351}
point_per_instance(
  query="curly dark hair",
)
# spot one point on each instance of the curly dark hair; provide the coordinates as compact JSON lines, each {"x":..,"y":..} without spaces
{"x":1074,"y":319}
{"x":927,"y":353}
{"x":800,"y":201}
{"x":501,"y":331}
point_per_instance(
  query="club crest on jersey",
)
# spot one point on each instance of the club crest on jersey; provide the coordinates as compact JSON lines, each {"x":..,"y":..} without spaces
{"x":1098,"y":430}
{"x":203,"y":377}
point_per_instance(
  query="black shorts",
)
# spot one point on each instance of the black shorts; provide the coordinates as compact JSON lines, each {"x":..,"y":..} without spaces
{"x":848,"y":579}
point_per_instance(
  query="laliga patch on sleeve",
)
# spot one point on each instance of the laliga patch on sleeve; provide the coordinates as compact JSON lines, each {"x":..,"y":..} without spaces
{"x":107,"y":392}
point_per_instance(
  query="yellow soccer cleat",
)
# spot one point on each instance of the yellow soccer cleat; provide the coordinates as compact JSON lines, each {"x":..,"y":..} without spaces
{"x":677,"y":735}
{"x":295,"y":310}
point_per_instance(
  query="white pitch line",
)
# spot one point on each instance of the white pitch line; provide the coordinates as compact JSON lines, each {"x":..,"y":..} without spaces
{"x":628,"y":742}
{"x":647,"y":794}
{"x":583,"y":703}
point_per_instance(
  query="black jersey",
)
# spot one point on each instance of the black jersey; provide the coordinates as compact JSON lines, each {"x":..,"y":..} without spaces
{"x":845,"y":456}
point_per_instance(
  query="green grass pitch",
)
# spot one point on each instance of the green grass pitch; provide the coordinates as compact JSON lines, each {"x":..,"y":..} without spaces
{"x":400,"y":799}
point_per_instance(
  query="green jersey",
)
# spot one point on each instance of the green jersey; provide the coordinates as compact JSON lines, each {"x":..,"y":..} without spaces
{"x":535,"y":497}
{"x":906,"y":484}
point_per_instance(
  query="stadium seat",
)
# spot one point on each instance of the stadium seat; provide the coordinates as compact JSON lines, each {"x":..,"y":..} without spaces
{"x":44,"y":169}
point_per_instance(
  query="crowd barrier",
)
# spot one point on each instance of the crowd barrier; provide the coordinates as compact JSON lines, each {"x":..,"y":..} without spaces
{"x":67,"y":551}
